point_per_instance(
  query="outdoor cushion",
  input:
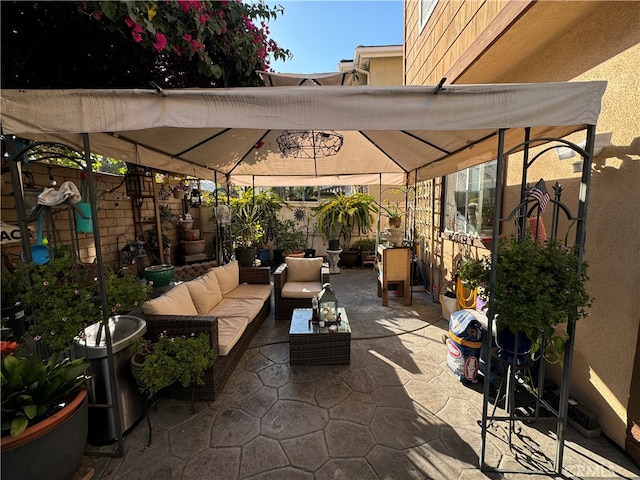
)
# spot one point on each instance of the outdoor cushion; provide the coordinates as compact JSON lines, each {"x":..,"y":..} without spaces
{"x":228,"y":276}
{"x":205,"y":292}
{"x":245,"y":290}
{"x":230,"y":329}
{"x":303,"y":269}
{"x":176,"y":301}
{"x":231,"y":307}
{"x":301,"y":289}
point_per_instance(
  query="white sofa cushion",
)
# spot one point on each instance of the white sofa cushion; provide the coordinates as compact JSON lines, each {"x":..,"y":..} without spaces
{"x":303,"y":269}
{"x":228,"y":276}
{"x":237,"y":307}
{"x":205,"y":292}
{"x":230,"y":329}
{"x":176,"y":301}
{"x":301,"y":289}
{"x":245,"y":290}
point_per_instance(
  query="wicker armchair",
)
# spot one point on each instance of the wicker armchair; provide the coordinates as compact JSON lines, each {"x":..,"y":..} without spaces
{"x":284,"y":304}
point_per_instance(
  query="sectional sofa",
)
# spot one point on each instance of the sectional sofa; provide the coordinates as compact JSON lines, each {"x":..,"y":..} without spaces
{"x":229,"y":303}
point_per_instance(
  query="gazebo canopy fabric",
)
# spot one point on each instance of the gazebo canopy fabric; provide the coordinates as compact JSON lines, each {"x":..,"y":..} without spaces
{"x":392,"y":135}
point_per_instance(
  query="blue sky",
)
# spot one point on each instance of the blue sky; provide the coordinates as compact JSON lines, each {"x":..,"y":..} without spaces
{"x":321,"y":33}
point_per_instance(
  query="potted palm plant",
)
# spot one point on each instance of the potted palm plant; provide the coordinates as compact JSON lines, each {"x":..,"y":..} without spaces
{"x":538,"y":287}
{"x":344,"y":215}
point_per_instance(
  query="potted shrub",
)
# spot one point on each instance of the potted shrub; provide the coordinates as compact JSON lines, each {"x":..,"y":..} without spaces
{"x":182,"y":359}
{"x":44,"y":415}
{"x":537,"y":288}
{"x":288,"y":239}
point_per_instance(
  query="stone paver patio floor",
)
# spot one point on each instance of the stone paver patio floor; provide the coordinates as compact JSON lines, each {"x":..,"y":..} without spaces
{"x":396,"y":412}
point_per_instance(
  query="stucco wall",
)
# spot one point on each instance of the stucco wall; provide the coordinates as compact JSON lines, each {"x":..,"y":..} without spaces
{"x":564,"y":41}
{"x":385,"y":71}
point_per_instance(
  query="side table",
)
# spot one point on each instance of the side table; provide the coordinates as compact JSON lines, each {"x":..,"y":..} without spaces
{"x":310,"y":344}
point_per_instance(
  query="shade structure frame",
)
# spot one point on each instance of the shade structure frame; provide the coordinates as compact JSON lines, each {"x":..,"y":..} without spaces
{"x":404,"y":133}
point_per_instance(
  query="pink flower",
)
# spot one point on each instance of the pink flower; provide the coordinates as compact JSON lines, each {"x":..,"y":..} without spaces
{"x":97,"y":15}
{"x":161,"y":42}
{"x":186,"y":37}
{"x":136,"y":37}
{"x":130,"y":23}
{"x":196,"y":46}
{"x":45,"y":283}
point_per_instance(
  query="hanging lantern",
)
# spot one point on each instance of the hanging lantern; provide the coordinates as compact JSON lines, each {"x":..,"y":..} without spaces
{"x":196,"y":199}
{"x":328,"y":304}
{"x":137,"y":181}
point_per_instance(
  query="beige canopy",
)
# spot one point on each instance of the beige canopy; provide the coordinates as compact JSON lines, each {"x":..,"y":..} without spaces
{"x":391,"y":135}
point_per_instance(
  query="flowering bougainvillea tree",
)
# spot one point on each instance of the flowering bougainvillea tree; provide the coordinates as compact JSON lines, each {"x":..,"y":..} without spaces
{"x":125,"y":44}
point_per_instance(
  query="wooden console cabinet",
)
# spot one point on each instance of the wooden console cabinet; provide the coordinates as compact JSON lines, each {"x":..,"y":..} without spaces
{"x":393,"y":266}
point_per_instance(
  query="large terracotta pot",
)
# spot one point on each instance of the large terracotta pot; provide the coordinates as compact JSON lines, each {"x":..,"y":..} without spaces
{"x":50,"y":449}
{"x":192,"y":247}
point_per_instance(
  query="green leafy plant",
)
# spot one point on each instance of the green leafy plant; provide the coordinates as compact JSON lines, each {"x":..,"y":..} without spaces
{"x":173,"y":359}
{"x":246,"y":228}
{"x":365,"y":244}
{"x":391,"y":211}
{"x":288,"y":238}
{"x":344,"y":215}
{"x":33,"y":390}
{"x":64,"y":297}
{"x":201,"y":43}
{"x":537,"y":288}
{"x":305,"y":218}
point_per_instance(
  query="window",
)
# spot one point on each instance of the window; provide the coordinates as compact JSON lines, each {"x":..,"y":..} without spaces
{"x":469,"y":195}
{"x":425,"y":9}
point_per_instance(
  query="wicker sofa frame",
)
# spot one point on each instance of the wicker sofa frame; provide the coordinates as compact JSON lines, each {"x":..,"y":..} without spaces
{"x":284,"y":306}
{"x":216,"y":377}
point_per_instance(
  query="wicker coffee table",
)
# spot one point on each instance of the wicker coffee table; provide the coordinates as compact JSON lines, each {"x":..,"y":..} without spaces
{"x":310,"y":344}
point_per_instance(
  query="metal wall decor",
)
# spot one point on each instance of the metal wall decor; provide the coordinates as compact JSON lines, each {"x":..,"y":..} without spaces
{"x":309,"y":143}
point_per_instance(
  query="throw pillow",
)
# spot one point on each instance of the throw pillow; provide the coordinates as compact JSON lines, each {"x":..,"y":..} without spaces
{"x":176,"y":301}
{"x":205,"y":292}
{"x":228,"y":276}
